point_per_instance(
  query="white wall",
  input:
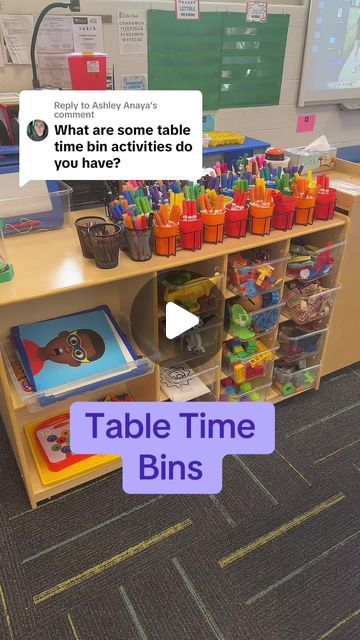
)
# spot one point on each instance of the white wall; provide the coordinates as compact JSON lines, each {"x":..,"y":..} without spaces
{"x":274,"y":124}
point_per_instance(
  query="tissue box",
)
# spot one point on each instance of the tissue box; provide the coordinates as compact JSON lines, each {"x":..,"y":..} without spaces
{"x":315,"y":161}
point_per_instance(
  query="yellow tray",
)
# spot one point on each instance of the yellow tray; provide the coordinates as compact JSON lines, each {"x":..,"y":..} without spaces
{"x":47,"y":476}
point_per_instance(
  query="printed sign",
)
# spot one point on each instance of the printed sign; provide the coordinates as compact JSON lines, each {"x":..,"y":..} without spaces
{"x":256,"y":11}
{"x":306,"y":124}
{"x":134,"y":83}
{"x":132,"y":32}
{"x":187,"y":9}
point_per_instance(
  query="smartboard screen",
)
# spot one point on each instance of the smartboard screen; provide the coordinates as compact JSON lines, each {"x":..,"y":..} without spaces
{"x":331,"y":70}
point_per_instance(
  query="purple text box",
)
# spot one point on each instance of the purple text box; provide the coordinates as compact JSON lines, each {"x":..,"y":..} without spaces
{"x":172,"y":447}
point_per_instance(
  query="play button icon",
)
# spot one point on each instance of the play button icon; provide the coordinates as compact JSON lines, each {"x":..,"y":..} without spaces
{"x":178,"y":320}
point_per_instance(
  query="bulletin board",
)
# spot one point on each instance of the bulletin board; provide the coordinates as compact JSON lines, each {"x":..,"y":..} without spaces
{"x":234,"y":63}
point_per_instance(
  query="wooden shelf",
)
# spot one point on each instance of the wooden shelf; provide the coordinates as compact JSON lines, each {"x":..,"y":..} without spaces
{"x":57,"y":272}
{"x":42,"y":492}
{"x":163,"y":397}
{"x":62,"y":281}
{"x":275,"y":396}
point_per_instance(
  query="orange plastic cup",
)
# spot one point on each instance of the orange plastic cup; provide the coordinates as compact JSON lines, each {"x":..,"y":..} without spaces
{"x":165,"y":240}
{"x":261,"y":219}
{"x":213,"y":226}
{"x":304,"y":212}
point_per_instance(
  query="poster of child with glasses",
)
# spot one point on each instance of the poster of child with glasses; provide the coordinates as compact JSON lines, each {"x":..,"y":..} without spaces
{"x":68,"y":349}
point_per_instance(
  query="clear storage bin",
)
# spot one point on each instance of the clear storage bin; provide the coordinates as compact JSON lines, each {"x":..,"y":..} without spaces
{"x":246,"y":392}
{"x":289,"y":379}
{"x":245,"y":324}
{"x":250,"y":276}
{"x":48,"y":209}
{"x":307,"y":263}
{"x":297,"y":342}
{"x":204,"y":338}
{"x":184,"y":381}
{"x":310,"y":303}
{"x":196,"y":293}
{"x":246,"y":361}
{"x":37,"y":400}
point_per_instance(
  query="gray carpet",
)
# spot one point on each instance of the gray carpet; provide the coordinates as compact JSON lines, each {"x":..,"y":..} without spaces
{"x":275,"y":556}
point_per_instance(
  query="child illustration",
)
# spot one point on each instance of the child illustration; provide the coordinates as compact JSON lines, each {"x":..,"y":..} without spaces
{"x":69,"y":347}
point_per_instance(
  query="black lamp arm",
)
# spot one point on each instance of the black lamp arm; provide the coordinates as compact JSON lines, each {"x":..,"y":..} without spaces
{"x":53,"y":5}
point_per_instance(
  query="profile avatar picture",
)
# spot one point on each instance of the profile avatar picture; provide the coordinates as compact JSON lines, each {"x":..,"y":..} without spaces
{"x":37,"y":130}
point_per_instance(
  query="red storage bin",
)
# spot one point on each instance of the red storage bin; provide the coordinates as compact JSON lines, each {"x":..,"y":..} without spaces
{"x":191,"y":233}
{"x":235,"y":221}
{"x":325,"y":205}
{"x":87,"y":71}
{"x":283,"y":216}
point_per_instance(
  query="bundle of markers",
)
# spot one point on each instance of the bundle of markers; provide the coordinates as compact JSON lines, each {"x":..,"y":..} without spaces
{"x":323,"y":184}
{"x":240,"y":199}
{"x":260,"y":197}
{"x":189,"y":211}
{"x":139,"y":222}
{"x":304,"y":189}
{"x":117,"y":208}
{"x":167,"y":216}
{"x":211,"y":203}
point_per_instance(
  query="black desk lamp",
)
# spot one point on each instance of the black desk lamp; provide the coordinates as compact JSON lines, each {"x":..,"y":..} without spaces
{"x":73,"y":5}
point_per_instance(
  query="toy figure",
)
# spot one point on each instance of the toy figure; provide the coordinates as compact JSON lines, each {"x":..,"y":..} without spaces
{"x":240,"y":323}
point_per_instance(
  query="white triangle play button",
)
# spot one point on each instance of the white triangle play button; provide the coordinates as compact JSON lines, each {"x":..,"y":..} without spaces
{"x":178,"y":320}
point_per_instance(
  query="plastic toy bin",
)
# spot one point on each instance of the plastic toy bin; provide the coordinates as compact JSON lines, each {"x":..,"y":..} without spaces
{"x":303,"y":308}
{"x":245,"y":361}
{"x":205,"y":374}
{"x":307,"y":263}
{"x":246,"y":392}
{"x":37,"y":400}
{"x":298,"y":342}
{"x":204,"y":338}
{"x":248,"y":276}
{"x":37,"y":213}
{"x":194,"y":292}
{"x":263,"y":320}
{"x":291,"y":379}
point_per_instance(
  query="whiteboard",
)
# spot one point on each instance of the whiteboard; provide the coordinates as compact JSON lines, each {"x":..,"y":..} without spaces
{"x":331,"y":66}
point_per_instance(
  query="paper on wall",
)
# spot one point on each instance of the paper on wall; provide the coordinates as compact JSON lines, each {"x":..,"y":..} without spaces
{"x":110,"y":75}
{"x":88,"y":33}
{"x":320,"y":144}
{"x":55,"y":35}
{"x":53,"y":71}
{"x":133,"y":32}
{"x":17,"y":32}
{"x":134,"y":82}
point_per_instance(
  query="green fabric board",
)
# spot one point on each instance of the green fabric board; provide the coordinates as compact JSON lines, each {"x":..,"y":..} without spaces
{"x":233,"y":63}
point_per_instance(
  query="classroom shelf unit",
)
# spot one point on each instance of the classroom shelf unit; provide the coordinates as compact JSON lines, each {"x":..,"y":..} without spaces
{"x":52,"y":278}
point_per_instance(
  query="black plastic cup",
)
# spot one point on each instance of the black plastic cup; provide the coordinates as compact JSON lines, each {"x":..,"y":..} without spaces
{"x":105,"y":243}
{"x":82,"y":226}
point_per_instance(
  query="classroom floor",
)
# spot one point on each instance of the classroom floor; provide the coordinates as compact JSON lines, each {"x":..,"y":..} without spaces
{"x":275,"y":556}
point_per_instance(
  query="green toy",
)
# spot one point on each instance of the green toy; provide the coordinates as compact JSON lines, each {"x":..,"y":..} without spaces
{"x":240,"y":323}
{"x":6,"y":269}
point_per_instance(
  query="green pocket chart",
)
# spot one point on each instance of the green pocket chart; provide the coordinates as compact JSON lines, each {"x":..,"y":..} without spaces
{"x":233,"y":62}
